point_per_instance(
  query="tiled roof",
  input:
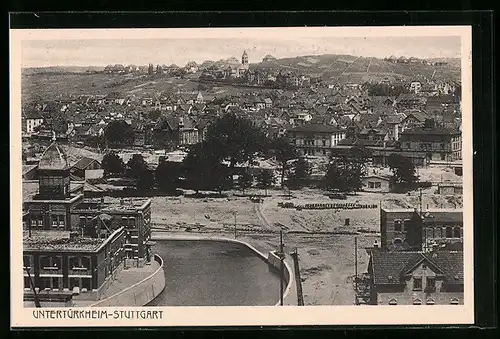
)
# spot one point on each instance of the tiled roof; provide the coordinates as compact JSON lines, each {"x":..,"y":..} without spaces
{"x":316,"y":128}
{"x":83,"y":163}
{"x":389,"y":267}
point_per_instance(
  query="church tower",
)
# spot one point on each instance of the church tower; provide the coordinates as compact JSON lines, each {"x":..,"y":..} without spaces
{"x":244,"y":60}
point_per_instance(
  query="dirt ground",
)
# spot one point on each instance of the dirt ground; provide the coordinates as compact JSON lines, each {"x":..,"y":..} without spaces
{"x":327,"y":263}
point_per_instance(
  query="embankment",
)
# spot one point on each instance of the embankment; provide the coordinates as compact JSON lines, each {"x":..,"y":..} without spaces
{"x":288,"y":297}
{"x":140,"y":293}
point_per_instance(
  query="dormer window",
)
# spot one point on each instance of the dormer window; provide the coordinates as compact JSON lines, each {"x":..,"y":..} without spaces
{"x":430,"y":301}
{"x":417,"y":283}
{"x":393,"y":301}
{"x":417,"y":302}
{"x":454,"y":301}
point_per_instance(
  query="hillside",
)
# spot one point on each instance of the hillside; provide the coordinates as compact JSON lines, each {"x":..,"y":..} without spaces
{"x":360,"y":69}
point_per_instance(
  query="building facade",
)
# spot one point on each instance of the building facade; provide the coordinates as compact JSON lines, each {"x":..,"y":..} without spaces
{"x":62,"y":261}
{"x":439,"y":144}
{"x":416,"y":278}
{"x":315,"y":139}
{"x":439,"y":227}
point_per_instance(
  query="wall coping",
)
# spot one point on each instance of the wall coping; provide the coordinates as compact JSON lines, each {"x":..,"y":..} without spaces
{"x":159,"y":235}
{"x":157,"y":258}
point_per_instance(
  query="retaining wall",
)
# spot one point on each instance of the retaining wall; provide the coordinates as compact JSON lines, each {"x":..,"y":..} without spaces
{"x":288,"y":297}
{"x":140,"y":293}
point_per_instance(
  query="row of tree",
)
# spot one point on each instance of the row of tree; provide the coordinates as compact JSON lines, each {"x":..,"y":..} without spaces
{"x":232,"y":145}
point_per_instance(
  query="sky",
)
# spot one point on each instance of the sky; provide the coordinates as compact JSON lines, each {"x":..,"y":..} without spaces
{"x":99,"y":51}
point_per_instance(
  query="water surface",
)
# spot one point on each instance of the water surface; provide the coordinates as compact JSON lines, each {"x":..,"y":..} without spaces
{"x":214,"y":273}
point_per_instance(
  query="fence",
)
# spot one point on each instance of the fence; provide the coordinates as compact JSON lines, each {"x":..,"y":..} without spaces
{"x":320,"y":206}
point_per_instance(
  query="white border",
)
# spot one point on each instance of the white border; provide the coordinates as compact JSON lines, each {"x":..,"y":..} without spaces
{"x":241,"y":316}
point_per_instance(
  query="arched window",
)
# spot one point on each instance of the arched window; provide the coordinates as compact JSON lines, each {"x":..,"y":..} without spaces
{"x":73,"y":262}
{"x":397,"y":225}
{"x":393,"y":301}
{"x":454,"y":301}
{"x":56,"y":262}
{"x":430,"y":301}
{"x":438,"y":232}
{"x":456,"y":232}
{"x":417,"y":302}
{"x":406,"y":224}
{"x":86,"y":262}
{"x":449,"y":232}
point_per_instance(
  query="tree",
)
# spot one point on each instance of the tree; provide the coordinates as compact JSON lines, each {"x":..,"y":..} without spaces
{"x":234,"y":139}
{"x":301,"y":171}
{"x":345,"y":173}
{"x":119,"y":132}
{"x":150,"y":69}
{"x":146,"y":180}
{"x":136,"y":166}
{"x":404,"y":174}
{"x":284,"y":152}
{"x":265,"y":178}
{"x":167,"y":176}
{"x":245,"y":181}
{"x":112,"y":164}
{"x":413,"y":235}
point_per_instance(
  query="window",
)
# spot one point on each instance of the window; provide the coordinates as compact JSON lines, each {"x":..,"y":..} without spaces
{"x":430,"y":284}
{"x":27,"y":283}
{"x":378,"y":185}
{"x":454,"y":301}
{"x":417,"y":302}
{"x":417,"y":284}
{"x":55,"y":283}
{"x":438,"y":232}
{"x":397,"y":241}
{"x":73,"y":262}
{"x":26,"y":261}
{"x":44,"y":283}
{"x":397,"y":225}
{"x":371,"y":184}
{"x":56,"y":262}
{"x":443,"y":156}
{"x":74,"y":282}
{"x":44,"y":262}
{"x":449,"y":232}
{"x":456,"y":232}
{"x":393,"y":301}
{"x":86,"y":283}
{"x":85,"y":263}
{"x":430,"y":301}
{"x":406,"y":224}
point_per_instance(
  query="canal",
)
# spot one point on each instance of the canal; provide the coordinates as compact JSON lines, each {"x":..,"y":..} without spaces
{"x":214,"y":273}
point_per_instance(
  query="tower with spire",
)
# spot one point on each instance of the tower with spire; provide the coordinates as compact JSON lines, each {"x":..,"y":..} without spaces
{"x":244,"y":60}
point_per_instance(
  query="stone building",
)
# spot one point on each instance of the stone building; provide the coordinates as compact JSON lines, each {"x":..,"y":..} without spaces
{"x":438,"y":143}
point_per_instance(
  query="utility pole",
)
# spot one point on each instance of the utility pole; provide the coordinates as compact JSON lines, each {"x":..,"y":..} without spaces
{"x":282,"y":256}
{"x":35,"y":295}
{"x":356,"y":268}
{"x":234,"y":224}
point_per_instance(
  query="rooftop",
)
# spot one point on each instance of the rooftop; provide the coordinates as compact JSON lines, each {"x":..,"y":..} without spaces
{"x":390,"y":267}
{"x":316,"y":128}
{"x":55,"y":241}
{"x":53,"y":158}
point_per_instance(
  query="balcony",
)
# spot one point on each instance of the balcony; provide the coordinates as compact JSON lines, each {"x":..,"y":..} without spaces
{"x":80,"y":271}
{"x":53,"y":271}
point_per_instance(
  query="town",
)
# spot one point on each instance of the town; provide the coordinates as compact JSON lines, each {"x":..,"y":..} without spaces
{"x":356,"y":161}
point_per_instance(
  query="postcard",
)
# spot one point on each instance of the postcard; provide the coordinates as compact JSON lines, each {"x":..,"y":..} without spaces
{"x":241,"y":176}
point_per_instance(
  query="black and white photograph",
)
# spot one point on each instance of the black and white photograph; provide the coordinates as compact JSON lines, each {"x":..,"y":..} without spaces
{"x":262,"y":169}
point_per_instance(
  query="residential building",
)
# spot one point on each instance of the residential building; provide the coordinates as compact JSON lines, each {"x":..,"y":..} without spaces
{"x":439,"y":227}
{"x":80,"y":168}
{"x":315,"y":140}
{"x":438,"y":143}
{"x":416,"y":278}
{"x":33,"y":119}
